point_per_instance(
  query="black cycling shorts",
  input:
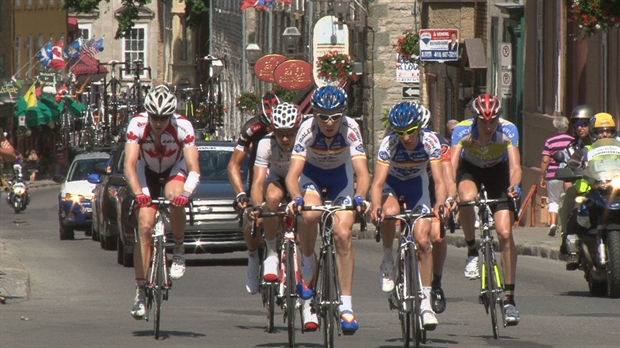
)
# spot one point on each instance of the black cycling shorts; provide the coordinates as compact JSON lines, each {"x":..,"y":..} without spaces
{"x":496,"y":181}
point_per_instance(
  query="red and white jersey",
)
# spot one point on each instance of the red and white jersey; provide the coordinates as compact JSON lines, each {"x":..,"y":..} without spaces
{"x":178,"y":135}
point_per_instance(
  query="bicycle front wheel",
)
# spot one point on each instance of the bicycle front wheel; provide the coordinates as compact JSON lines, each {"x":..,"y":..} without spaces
{"x":413,"y":273}
{"x":328,"y":299}
{"x":492,"y":290}
{"x":291,"y":286}
{"x":158,"y":286}
{"x":403,"y":294}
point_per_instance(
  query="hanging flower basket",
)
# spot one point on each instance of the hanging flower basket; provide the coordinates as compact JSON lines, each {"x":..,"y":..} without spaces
{"x":408,"y":46}
{"x":335,"y":67}
{"x":594,"y":15}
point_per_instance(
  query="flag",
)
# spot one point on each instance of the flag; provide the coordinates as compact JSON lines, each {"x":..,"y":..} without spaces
{"x":31,"y":98}
{"x":45,"y":55}
{"x":288,"y":2}
{"x":247,"y":4}
{"x":88,"y":48}
{"x":58,"y":61}
{"x":261,"y":5}
{"x":17,"y":82}
{"x":99,"y":45}
{"x":73,"y":49}
{"x":39,"y":90}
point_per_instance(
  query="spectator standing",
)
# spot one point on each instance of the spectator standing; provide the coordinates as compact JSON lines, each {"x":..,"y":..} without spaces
{"x":33,"y":164}
{"x":450,"y":125}
{"x":549,"y":166}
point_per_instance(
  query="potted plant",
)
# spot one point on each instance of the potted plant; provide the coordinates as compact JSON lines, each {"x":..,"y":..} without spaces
{"x":408,"y":46}
{"x":593,"y":15}
{"x":248,"y":101}
{"x":335,"y":66}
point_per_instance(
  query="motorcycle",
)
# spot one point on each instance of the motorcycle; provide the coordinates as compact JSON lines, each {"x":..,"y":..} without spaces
{"x":598,"y":217}
{"x":18,"y":196}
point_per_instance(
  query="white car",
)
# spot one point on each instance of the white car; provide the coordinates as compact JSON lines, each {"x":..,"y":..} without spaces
{"x":75,"y":210}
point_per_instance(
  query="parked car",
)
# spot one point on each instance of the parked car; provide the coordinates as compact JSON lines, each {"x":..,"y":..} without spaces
{"x":76,"y":193}
{"x":216,"y":228}
{"x":105,"y":224}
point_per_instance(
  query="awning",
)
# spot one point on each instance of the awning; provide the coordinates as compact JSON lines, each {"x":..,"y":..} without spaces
{"x":46,"y":111}
{"x":85,"y":65}
{"x":474,"y":56}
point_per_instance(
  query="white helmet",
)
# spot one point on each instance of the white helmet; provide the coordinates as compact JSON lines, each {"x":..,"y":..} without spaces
{"x":285,"y":115}
{"x":426,"y":117}
{"x":160,"y":101}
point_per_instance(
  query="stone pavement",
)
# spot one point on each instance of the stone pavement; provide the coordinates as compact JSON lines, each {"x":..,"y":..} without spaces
{"x":531,"y":241}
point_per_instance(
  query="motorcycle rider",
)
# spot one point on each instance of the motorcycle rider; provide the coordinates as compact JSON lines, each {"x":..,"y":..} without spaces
{"x":602,"y":126}
{"x":580,"y":120}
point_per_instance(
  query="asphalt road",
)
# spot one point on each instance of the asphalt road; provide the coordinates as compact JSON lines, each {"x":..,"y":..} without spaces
{"x":80,"y":297}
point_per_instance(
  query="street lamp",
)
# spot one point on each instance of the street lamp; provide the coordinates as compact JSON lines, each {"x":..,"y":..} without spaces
{"x":252,"y":53}
{"x":341,"y":8}
{"x":291,"y":39}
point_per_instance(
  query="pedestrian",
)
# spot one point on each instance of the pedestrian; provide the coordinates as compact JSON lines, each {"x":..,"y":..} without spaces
{"x":450,"y":125}
{"x":33,"y":164}
{"x":549,"y":166}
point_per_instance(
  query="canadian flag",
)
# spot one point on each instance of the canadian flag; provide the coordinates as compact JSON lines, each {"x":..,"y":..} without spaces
{"x":57,"y":61}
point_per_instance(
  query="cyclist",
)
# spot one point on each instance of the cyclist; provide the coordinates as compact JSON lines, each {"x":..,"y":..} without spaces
{"x":440,"y":247}
{"x":273,"y":158}
{"x":401,"y":171}
{"x":160,"y":145}
{"x":485,"y":151}
{"x":251,"y":133}
{"x":327,"y":152}
{"x":580,"y":120}
{"x":602,"y":126}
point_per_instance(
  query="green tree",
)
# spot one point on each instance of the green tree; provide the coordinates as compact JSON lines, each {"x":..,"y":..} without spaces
{"x":195,"y":12}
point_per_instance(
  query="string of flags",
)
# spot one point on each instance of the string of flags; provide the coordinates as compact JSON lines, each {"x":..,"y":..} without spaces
{"x":261,"y":5}
{"x":54,"y":56}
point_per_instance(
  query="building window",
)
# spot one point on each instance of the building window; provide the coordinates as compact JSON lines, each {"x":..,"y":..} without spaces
{"x":134,"y":45}
{"x":18,"y":3}
{"x":84,"y":31}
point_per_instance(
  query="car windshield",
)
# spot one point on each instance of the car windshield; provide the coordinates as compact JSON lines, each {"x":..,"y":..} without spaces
{"x":81,"y":168}
{"x":214,"y":164}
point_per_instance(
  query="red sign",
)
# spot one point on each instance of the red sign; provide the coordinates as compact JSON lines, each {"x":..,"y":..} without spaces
{"x":294,"y":74}
{"x":266,"y":65}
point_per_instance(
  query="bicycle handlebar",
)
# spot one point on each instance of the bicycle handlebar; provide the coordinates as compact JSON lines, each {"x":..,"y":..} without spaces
{"x":335,"y":208}
{"x":165,"y":203}
{"x":407,"y":216}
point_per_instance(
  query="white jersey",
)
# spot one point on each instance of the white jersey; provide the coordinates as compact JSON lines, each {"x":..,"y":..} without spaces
{"x":270,"y":155}
{"x":311,"y":145}
{"x":178,"y":135}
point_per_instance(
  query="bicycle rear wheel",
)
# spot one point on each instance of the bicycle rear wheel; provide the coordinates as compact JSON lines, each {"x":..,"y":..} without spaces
{"x":158,"y":285}
{"x":328,"y":300}
{"x":291,"y":286}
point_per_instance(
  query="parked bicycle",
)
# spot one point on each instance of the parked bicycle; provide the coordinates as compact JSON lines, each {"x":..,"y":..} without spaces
{"x":408,"y":294}
{"x":114,"y":111}
{"x":137,"y":91}
{"x":283,"y":291}
{"x":491,"y":280}
{"x":327,"y":290}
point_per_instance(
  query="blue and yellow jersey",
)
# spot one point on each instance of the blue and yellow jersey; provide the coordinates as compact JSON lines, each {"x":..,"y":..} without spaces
{"x":495,"y":152}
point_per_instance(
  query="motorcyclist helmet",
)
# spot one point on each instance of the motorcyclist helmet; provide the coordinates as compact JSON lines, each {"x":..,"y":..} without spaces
{"x":582,"y":113}
{"x":285,"y":116}
{"x":602,"y":122}
{"x":329,"y":98}
{"x":270,"y":101}
{"x":160,"y":102}
{"x":486,"y":107}
{"x":406,"y":114}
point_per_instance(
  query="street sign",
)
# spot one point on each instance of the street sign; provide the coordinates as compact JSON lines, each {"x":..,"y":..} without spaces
{"x":506,"y":84}
{"x":439,"y":45}
{"x":411,"y":92}
{"x":505,"y":53}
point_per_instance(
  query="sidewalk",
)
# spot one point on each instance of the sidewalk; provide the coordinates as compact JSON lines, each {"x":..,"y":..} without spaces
{"x":531,"y":241}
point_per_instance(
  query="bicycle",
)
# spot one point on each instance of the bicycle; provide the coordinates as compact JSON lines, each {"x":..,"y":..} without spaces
{"x":284,"y":289}
{"x":327,"y":288}
{"x":137,"y":91}
{"x":491,"y":281}
{"x":407,"y":295}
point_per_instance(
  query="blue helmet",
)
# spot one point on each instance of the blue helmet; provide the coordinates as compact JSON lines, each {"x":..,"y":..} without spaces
{"x":329,"y":98}
{"x":406,"y":114}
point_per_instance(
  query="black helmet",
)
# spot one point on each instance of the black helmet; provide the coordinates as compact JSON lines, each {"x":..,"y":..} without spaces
{"x":582,"y":113}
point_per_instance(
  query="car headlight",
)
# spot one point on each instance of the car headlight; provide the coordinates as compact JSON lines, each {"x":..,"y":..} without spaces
{"x":615,"y":183}
{"x":77,"y":198}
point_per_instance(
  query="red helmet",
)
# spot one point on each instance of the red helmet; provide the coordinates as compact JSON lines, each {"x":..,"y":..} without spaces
{"x":487,"y":107}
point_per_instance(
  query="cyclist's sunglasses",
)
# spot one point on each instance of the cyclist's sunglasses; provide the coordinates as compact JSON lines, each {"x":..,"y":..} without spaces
{"x":410,"y":131}
{"x":326,"y":118}
{"x":159,"y":118}
{"x":581,"y":124}
{"x":291,"y":133}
